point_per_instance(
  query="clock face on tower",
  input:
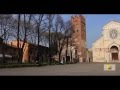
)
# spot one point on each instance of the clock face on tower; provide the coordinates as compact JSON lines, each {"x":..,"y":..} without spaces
{"x":113,"y":34}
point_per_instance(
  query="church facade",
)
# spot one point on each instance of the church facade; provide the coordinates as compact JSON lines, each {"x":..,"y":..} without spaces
{"x":107,"y":47}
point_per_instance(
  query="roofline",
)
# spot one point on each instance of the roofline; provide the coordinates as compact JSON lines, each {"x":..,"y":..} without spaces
{"x":27,"y":43}
{"x":115,"y":21}
{"x":111,"y":21}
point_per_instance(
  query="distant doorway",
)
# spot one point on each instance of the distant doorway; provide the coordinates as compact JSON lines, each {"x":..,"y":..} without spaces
{"x":67,"y":59}
{"x":114,"y":56}
{"x":114,"y":53}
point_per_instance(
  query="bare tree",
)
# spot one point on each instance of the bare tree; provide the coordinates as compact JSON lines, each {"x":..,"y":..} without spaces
{"x":60,"y":34}
{"x":5,"y":22}
{"x":50,"y":19}
{"x":36,"y":28}
{"x":26,"y":25}
{"x":21,"y":32}
{"x":68,"y":28}
{"x":30,"y":28}
{"x":39,"y":20}
{"x":63,"y":34}
{"x":57,"y":35}
{"x":18,"y":31}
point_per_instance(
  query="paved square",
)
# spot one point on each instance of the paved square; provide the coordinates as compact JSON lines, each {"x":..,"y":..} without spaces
{"x":79,"y":69}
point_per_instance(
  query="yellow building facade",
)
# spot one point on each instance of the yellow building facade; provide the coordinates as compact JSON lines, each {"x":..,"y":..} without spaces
{"x":25,"y":49}
{"x":107,"y":47}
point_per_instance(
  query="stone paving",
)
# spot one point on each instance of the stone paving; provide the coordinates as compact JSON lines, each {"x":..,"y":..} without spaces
{"x":79,"y":69}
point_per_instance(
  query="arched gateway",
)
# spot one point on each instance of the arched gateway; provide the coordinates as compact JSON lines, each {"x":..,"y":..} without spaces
{"x":114,"y":53}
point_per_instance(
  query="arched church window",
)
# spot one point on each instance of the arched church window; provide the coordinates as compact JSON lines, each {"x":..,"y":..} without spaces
{"x":77,"y":30}
{"x":73,"y":31}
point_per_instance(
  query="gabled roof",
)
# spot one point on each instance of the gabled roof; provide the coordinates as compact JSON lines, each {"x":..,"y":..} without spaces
{"x":114,"y":22}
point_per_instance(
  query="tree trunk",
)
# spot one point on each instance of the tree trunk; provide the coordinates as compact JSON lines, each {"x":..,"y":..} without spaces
{"x":3,"y":53}
{"x":59,"y":56}
{"x":67,"y":49}
{"x":18,"y":38}
{"x":21,"y":56}
{"x":38,"y":43}
{"x":71,"y":56}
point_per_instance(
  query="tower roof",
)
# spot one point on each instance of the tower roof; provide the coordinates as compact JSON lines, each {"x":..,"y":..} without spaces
{"x":77,"y":16}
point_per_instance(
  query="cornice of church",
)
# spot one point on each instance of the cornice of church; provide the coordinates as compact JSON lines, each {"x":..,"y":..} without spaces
{"x":116,"y":21}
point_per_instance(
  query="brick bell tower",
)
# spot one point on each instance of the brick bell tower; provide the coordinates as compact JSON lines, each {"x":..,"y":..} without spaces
{"x":79,"y":36}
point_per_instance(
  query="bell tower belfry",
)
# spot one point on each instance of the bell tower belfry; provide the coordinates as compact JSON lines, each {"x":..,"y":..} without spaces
{"x":79,"y":36}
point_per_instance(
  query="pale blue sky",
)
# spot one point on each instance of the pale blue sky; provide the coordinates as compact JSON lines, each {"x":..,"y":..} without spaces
{"x":94,"y":25}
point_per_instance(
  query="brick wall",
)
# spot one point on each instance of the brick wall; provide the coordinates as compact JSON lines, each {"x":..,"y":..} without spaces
{"x":79,"y":35}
